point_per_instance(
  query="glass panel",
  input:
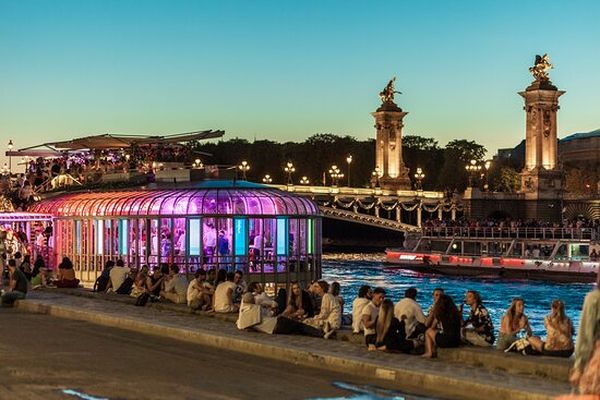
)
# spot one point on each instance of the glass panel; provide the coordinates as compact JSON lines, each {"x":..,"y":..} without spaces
{"x":194,"y":237}
{"x":310,"y":234}
{"x":241,"y":236}
{"x":99,"y":226}
{"x":123,"y":234}
{"x":282,"y":237}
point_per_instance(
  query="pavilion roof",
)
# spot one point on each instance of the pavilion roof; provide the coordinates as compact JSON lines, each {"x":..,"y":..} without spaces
{"x":111,"y":141}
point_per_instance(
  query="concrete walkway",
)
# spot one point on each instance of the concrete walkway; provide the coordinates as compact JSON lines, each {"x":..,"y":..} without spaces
{"x":444,"y":378}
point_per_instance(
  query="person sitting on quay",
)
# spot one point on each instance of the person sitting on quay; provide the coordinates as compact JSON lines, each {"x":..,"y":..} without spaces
{"x":391,"y":332}
{"x":436,"y":294}
{"x":241,"y":286}
{"x":17,"y":285}
{"x":513,"y":322}
{"x":117,"y":276}
{"x":66,"y":275}
{"x":316,"y":298}
{"x":559,"y":333}
{"x":299,"y":303}
{"x":175,"y":286}
{"x":586,"y":368}
{"x":261,"y":298}
{"x":223,"y":298}
{"x":154,"y":282}
{"x":255,"y":317}
{"x":445,"y":329}
{"x":369,"y":317}
{"x":25,"y":266}
{"x":478,"y":327}
{"x":101,"y":284}
{"x":139,"y":283}
{"x":363,"y":298}
{"x":335,"y":290}
{"x":211,"y":277}
{"x":199,"y":293}
{"x":411,"y":313}
{"x":127,"y":285}
{"x":38,"y":275}
{"x":329,"y":318}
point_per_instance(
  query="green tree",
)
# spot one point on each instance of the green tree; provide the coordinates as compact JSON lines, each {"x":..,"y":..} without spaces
{"x":506,"y":180}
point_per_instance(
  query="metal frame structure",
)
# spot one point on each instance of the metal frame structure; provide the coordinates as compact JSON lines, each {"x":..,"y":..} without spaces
{"x":272,"y":236}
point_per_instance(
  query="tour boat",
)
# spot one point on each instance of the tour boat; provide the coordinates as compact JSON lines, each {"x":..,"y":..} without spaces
{"x":556,"y":254}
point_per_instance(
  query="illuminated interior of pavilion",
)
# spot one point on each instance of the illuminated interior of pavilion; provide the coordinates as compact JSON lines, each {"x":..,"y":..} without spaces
{"x":273,"y":236}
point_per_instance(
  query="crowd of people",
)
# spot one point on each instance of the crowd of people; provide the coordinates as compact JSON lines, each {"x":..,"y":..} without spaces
{"x":577,"y":223}
{"x":318,"y":310}
{"x":87,"y":167}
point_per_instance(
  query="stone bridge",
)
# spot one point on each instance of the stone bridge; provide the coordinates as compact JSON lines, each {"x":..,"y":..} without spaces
{"x":400,"y":210}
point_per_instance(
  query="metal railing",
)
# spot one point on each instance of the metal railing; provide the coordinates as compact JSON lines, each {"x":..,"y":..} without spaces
{"x":512,"y":233}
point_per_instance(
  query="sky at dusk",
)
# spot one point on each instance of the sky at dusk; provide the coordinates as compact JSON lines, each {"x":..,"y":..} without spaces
{"x":285,"y":70}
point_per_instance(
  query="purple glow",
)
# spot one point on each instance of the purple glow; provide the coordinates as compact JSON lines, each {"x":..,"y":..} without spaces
{"x":204,"y":202}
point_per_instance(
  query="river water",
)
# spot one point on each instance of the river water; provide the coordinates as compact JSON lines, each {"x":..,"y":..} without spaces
{"x":354,"y":270}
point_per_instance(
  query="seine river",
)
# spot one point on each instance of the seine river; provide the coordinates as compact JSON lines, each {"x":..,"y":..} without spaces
{"x":354,"y":270}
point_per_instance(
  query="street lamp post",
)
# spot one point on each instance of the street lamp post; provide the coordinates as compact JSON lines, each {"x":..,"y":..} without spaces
{"x":289,"y":170}
{"x":335,"y":174}
{"x":267,"y":179}
{"x":304,"y":180}
{"x":485,"y":175}
{"x":472,"y":168}
{"x":244,"y":167}
{"x":349,"y":161}
{"x":375,"y":179}
{"x":419,"y":176}
{"x":10,"y":147}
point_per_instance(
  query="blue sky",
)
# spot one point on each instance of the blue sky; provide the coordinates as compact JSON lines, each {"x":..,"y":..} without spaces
{"x":284,"y":70}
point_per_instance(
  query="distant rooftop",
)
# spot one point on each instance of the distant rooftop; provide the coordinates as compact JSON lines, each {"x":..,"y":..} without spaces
{"x":581,"y":135}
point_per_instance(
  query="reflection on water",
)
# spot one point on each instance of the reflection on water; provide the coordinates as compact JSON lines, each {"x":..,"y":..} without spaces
{"x":356,"y":269}
{"x":82,"y":395}
{"x":369,"y":393}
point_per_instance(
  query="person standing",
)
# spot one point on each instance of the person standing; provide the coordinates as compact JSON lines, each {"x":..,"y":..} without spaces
{"x":586,"y":369}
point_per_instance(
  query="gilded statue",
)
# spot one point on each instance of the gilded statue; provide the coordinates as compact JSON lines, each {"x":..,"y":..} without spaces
{"x":541,"y":67}
{"x":387,"y":94}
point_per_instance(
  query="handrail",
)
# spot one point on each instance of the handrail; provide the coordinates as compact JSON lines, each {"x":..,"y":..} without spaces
{"x":512,"y":233}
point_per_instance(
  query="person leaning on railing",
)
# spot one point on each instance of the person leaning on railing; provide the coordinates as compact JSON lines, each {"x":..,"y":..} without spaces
{"x":585,"y":375}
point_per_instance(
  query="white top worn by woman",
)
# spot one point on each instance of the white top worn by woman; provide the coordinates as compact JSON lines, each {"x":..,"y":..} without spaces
{"x":331,"y":311}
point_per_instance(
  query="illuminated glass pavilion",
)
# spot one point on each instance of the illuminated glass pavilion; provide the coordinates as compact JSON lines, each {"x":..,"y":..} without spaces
{"x":273,"y":236}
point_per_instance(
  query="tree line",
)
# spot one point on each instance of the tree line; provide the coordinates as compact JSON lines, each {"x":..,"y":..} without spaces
{"x":444,"y":167}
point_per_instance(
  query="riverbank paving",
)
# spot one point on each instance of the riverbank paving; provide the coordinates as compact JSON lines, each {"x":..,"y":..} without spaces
{"x":441,"y":378}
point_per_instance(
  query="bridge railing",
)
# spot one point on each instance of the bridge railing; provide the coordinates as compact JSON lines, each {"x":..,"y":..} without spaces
{"x":512,"y":233}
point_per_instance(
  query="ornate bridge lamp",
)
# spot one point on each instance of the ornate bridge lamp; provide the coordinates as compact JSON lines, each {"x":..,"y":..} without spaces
{"x":472,"y":168}
{"x":375,"y":179}
{"x":349,"y":161}
{"x":484,"y":175}
{"x":10,"y":148}
{"x":419,"y":176}
{"x":335,"y":174}
{"x":267,"y":179}
{"x":304,"y":180}
{"x":289,"y":170}
{"x":244,"y":167}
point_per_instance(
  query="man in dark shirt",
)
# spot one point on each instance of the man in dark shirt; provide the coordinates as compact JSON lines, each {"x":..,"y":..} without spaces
{"x":18,"y":285}
{"x":479,"y":329}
